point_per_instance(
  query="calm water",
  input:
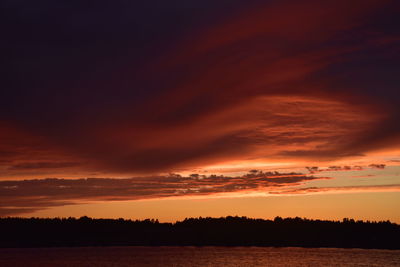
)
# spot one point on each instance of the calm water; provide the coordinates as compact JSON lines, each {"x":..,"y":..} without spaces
{"x":195,"y":256}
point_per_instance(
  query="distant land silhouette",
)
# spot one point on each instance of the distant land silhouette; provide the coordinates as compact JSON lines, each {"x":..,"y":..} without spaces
{"x":225,"y":231}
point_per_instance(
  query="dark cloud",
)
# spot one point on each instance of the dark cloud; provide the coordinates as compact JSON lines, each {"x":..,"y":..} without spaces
{"x":316,"y":169}
{"x":25,"y":195}
{"x":377,"y":166}
{"x":151,"y":86}
{"x":43,"y":165}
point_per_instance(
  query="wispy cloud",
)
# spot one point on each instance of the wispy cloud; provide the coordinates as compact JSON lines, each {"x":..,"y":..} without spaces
{"x":37,"y":165}
{"x":339,"y":189}
{"x":316,"y":169}
{"x":19,"y":196}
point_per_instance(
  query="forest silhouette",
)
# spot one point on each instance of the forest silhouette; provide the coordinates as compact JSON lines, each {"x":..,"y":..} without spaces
{"x":224,"y":231}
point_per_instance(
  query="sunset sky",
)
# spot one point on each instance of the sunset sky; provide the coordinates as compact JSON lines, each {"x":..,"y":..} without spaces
{"x":186,"y":108}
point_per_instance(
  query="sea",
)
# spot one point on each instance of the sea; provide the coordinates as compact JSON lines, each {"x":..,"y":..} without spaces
{"x":197,"y":256}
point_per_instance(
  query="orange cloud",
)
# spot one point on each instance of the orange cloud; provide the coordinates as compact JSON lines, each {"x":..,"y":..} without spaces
{"x":340,"y":189}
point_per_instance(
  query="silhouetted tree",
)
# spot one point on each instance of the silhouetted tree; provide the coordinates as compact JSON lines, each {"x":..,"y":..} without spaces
{"x":228,"y":231}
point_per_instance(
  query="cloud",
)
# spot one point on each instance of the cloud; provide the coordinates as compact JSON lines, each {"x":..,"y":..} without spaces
{"x":134,"y":88}
{"x":263,"y":128}
{"x":316,"y":169}
{"x":23,"y":195}
{"x":42,"y":165}
{"x":340,"y":189}
{"x":377,"y":166}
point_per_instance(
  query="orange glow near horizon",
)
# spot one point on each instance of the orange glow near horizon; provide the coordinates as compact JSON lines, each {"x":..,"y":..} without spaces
{"x":328,"y":207}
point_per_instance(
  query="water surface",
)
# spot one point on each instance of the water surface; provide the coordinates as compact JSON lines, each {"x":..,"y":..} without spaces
{"x":197,"y":256}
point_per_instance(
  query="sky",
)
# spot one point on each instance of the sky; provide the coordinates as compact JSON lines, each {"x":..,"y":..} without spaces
{"x":174,"y":109}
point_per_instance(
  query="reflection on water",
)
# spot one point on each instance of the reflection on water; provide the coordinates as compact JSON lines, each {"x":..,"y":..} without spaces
{"x":197,"y":256}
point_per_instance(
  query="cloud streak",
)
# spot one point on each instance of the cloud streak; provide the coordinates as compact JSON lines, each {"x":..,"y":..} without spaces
{"x":316,"y":169}
{"x":339,"y":189}
{"x":26,"y":195}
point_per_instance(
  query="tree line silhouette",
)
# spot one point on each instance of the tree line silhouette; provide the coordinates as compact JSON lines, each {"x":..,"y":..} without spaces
{"x":224,"y":231}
